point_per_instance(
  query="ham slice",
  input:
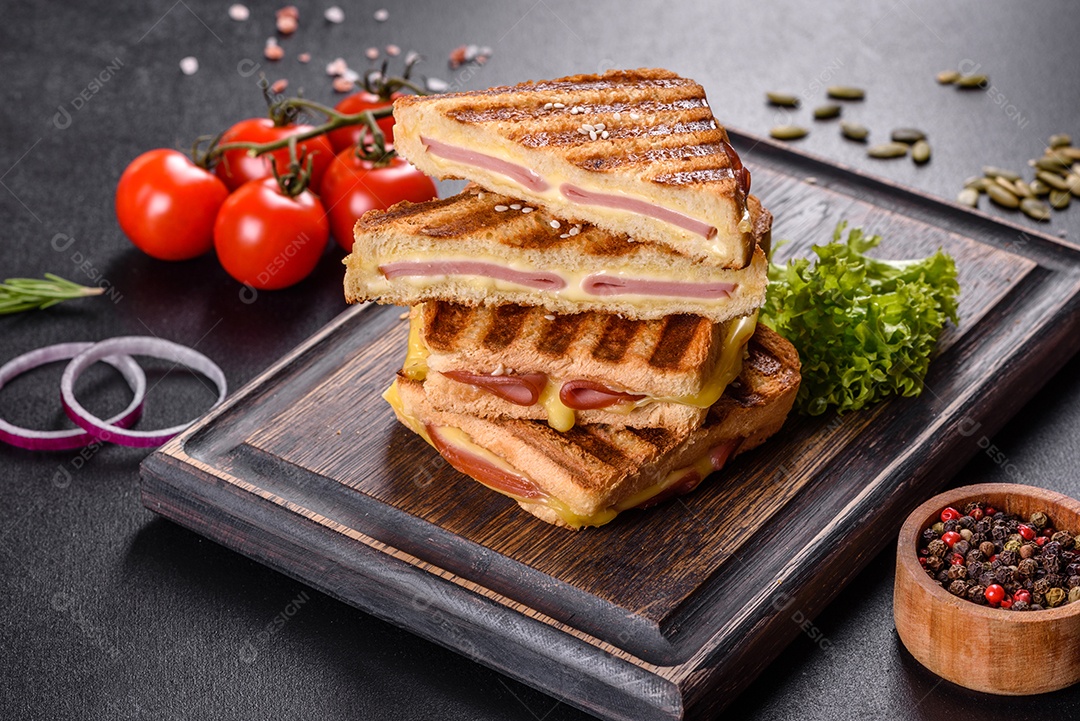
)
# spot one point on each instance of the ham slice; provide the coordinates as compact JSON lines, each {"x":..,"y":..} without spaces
{"x":519,"y":174}
{"x":615,"y":285}
{"x":479,"y":468}
{"x":523,"y":390}
{"x":633,"y":205}
{"x":539,"y":279}
{"x":691,"y":478}
{"x":587,"y":396}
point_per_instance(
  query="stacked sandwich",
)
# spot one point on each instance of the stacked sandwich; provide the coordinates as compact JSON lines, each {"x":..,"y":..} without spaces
{"x":583,"y":315}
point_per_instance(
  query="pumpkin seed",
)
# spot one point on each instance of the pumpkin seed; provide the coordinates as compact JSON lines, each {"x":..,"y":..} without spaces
{"x":827,"y":112}
{"x":908,"y":135}
{"x":969,"y":196}
{"x":1073,"y":180}
{"x":1008,"y":185}
{"x":948,"y":77}
{"x":1001,"y":196}
{"x":845,"y":92}
{"x":1054,"y":180}
{"x":1059,"y":199}
{"x":888,"y":150}
{"x":991,"y":172}
{"x":788,"y":132}
{"x":1060,"y":140}
{"x":971,"y":82}
{"x":1053,"y":163}
{"x":1035,"y":209}
{"x":1039,"y":188}
{"x":784,"y":100}
{"x":1023,"y":189}
{"x":1069,"y":152}
{"x":920,"y":152}
{"x":854,"y":131}
{"x":977,"y":182}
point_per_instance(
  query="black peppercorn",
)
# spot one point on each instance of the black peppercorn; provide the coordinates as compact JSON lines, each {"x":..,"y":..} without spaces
{"x":957,"y":572}
{"x":958,"y":588}
{"x":1063,"y":539}
{"x":1027,"y":568}
{"x":1009,"y":558}
{"x":1052,"y":549}
{"x":999,"y":532}
{"x":987,"y":579}
{"x":1006,"y":575}
{"x":937,"y":548}
{"x":1073,"y":582}
{"x":951,"y":525}
{"x":988,"y":548}
{"x":961,"y":547}
{"x":1041,"y":586}
{"x":928,"y":535}
{"x":982,"y":527}
{"x":977,"y":593}
{"x":1021,"y":606}
{"x":966,"y":522}
{"x":974,"y":556}
{"x":1038,"y":520}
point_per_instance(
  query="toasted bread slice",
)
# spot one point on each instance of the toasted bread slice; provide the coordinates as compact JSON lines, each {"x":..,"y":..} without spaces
{"x":520,"y":362}
{"x":588,"y":475}
{"x":481,"y":248}
{"x":636,"y":152}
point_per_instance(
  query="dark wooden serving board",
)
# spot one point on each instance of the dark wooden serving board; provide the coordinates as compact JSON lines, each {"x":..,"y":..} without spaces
{"x":662,"y":614}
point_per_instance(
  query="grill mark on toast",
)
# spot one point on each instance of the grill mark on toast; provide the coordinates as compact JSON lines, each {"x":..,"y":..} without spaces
{"x":506,"y":324}
{"x":760,"y":360}
{"x":675,"y":340}
{"x":403,"y":210}
{"x":649,"y":156}
{"x":616,"y":338}
{"x":560,"y":333}
{"x":444,"y":323}
{"x":592,"y":442}
{"x":485,"y":113}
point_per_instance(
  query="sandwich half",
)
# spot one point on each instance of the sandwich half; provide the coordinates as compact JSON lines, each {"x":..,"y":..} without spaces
{"x":519,"y":362}
{"x":636,"y":152}
{"x":587,"y":476}
{"x":483,"y":248}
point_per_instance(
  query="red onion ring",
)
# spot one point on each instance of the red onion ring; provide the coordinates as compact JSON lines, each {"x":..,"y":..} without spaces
{"x":133,"y":345}
{"x":35,"y":440}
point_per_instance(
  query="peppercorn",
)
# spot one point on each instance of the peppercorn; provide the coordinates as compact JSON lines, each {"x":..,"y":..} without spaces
{"x":1076,"y":542}
{"x":1027,"y":550}
{"x":974,"y":556}
{"x":1021,"y":606}
{"x":1027,"y":568}
{"x":958,"y":588}
{"x":1027,"y":532}
{"x":937,"y":548}
{"x":943,"y":575}
{"x":983,"y":526}
{"x":988,"y":548}
{"x":995,"y":594}
{"x":1072,"y":582}
{"x":949,"y":514}
{"x":999,"y":532}
{"x":928,"y":535}
{"x":1009,"y":558}
{"x":1052,"y":548}
{"x":950,"y":538}
{"x":1063,"y":539}
{"x":1055,"y":597}
{"x":957,"y":572}
{"x":1022,"y":595}
{"x":976,"y":592}
{"x":938,"y":527}
{"x":1041,"y":586}
{"x":1006,"y":575}
{"x":950,"y":525}
{"x":961,"y":547}
{"x":967,"y":534}
{"x":966,"y":522}
{"x":1037,"y":599}
{"x":976,"y":513}
{"x":1038,"y":520}
{"x":1073,"y":569}
{"x":1074,"y":594}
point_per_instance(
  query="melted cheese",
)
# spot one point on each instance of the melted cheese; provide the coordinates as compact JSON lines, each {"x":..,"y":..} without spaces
{"x":559,"y":416}
{"x":416,"y":367}
{"x":728,"y":366}
{"x":574,"y":278}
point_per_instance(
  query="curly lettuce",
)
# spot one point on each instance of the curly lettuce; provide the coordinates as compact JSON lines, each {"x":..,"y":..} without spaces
{"x":864,"y":327}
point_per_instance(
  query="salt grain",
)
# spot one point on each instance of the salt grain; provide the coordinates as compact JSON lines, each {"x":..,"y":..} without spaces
{"x":437,"y":86}
{"x":334,"y":14}
{"x":189,"y":65}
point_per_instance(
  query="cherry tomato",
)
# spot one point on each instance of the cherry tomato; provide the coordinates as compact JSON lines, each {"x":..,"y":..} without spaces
{"x":166,"y":205}
{"x":352,"y":187}
{"x":343,"y":138}
{"x":269,"y":240}
{"x":236,"y":167}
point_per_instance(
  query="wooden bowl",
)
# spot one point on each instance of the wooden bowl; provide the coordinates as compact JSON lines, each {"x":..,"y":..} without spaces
{"x":986,"y":649}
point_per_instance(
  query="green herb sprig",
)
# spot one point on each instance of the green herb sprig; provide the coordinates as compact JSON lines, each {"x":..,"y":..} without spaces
{"x":19,"y":294}
{"x":864,"y":327}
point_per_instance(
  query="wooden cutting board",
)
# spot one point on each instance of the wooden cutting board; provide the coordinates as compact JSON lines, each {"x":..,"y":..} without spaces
{"x":663,"y":614}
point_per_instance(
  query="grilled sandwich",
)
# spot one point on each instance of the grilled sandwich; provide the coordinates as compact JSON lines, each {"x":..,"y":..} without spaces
{"x":520,"y":362}
{"x":585,"y":477}
{"x":635,"y":152}
{"x":483,"y":248}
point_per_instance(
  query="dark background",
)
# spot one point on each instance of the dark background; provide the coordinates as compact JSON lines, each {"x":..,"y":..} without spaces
{"x":109,"y":612}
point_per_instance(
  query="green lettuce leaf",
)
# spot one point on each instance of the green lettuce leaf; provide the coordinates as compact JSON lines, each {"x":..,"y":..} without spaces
{"x":864,"y":327}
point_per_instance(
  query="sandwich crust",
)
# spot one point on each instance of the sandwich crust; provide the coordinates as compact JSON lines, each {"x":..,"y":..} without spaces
{"x":481,"y":225}
{"x":593,"y":467}
{"x":647,"y":135}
